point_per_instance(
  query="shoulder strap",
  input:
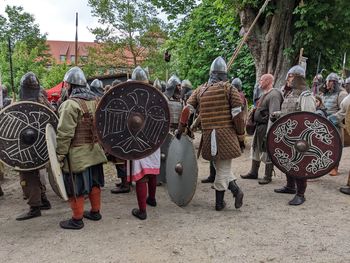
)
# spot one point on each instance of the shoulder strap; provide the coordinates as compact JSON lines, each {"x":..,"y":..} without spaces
{"x":82,"y":105}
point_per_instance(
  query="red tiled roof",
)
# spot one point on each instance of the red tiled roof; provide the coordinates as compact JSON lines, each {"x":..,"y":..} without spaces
{"x":67,"y":48}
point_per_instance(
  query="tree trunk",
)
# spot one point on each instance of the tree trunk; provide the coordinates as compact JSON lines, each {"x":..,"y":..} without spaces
{"x":270,"y":38}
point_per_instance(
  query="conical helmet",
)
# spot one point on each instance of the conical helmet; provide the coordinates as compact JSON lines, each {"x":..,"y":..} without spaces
{"x":218,"y":66}
{"x":139,"y":74}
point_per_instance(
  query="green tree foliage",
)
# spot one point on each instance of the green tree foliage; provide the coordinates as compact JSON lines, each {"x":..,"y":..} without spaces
{"x":29,"y":51}
{"x":54,"y":75}
{"x":209,"y":31}
{"x":127,"y":23}
{"x":323,"y":27}
{"x":318,"y":26}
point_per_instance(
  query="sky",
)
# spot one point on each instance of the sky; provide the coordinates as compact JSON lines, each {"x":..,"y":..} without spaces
{"x":57,"y":17}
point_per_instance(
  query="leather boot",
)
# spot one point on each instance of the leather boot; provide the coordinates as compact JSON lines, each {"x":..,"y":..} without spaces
{"x":123,"y":188}
{"x":211,"y":177}
{"x":268,"y":174}
{"x":345,"y":190}
{"x":142,"y":215}
{"x":285,"y":190}
{"x":34,"y":211}
{"x":45,"y":203}
{"x":254,"y":171}
{"x":94,"y":216}
{"x":237,"y":194}
{"x":219,"y":200}
{"x":297,"y":200}
{"x":73,"y":224}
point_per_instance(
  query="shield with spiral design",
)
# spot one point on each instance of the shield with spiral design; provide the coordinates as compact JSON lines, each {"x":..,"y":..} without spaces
{"x":304,"y":145}
{"x":22,"y":135}
{"x":132,"y":120}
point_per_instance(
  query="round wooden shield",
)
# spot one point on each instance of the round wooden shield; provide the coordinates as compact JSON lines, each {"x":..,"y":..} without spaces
{"x":347,"y":121}
{"x":22,"y":135}
{"x":132,"y":120}
{"x":304,"y":145}
{"x":55,"y":174}
{"x":181,"y":170}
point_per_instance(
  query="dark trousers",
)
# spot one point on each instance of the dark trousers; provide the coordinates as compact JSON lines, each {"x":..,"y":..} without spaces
{"x":300,"y":184}
{"x":32,"y":187}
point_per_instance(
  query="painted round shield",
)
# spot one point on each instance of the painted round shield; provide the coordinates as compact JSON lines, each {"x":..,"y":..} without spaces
{"x":55,"y":174}
{"x":304,"y":145}
{"x":164,"y":149}
{"x":22,"y":135}
{"x":181,"y":170}
{"x":132,"y":120}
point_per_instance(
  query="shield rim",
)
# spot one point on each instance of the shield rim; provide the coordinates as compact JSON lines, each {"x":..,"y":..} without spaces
{"x":62,"y":195}
{"x":161,"y":178}
{"x":195,"y":172}
{"x":326,"y":171}
{"x":16,"y":168}
{"x":107,"y":149}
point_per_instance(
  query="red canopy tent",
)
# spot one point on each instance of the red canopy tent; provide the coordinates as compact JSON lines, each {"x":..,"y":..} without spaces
{"x":54,"y":93}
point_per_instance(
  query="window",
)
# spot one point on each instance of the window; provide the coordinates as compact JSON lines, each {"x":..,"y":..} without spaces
{"x":72,"y":59}
{"x":63,"y":58}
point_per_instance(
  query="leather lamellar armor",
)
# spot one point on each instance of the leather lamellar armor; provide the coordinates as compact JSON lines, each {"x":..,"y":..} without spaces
{"x":215,"y":108}
{"x":85,"y":131}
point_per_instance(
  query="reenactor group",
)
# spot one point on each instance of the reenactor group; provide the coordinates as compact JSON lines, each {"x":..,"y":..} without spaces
{"x":219,"y":108}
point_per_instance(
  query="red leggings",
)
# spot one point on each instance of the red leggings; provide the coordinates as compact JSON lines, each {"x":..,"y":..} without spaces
{"x":141,"y":191}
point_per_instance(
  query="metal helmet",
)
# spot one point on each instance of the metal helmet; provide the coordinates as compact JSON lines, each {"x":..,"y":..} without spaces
{"x":296,"y":70}
{"x":237,"y":83}
{"x":116,"y":82}
{"x":29,"y":87}
{"x":139,"y":74}
{"x":96,"y":87}
{"x":186,"y":84}
{"x":347,"y":81}
{"x":75,"y":76}
{"x":333,"y":76}
{"x":157,"y":84}
{"x":218,"y":66}
{"x":186,"y":88}
{"x":171,"y":85}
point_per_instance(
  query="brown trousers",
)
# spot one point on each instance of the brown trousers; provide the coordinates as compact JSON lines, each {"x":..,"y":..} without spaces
{"x":32,"y":187}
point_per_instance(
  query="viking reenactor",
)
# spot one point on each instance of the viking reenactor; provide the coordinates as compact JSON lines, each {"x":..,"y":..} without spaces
{"x":78,"y":149}
{"x":298,"y":97}
{"x":186,"y":90}
{"x":332,"y":98}
{"x":96,"y":87}
{"x":318,"y":85}
{"x":144,"y":171}
{"x":320,"y":108}
{"x":32,"y":186}
{"x":6,"y":100}
{"x":173,"y":94}
{"x":223,"y":129}
{"x":269,"y":103}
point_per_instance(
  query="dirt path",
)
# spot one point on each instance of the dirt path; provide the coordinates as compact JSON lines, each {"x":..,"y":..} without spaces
{"x":265,"y":229}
